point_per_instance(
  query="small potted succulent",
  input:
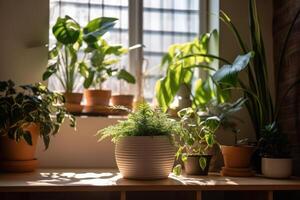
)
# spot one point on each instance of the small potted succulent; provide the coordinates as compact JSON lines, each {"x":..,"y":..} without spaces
{"x":275,"y":152}
{"x":144,"y":143}
{"x":26,"y":113}
{"x":195,"y":138}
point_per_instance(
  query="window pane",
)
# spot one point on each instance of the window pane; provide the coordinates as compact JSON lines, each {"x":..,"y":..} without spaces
{"x":166,"y":22}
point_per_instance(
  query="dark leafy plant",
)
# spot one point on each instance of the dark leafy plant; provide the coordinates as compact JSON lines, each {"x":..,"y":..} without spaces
{"x":77,"y":48}
{"x":145,"y":121}
{"x":273,"y":143}
{"x":26,"y":104}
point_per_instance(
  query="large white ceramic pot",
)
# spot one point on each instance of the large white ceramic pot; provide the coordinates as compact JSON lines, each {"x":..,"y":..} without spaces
{"x":145,"y":157}
{"x":276,"y":167}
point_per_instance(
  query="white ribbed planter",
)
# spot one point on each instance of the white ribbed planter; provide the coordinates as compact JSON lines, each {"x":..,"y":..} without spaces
{"x":276,"y":167}
{"x":145,"y":157}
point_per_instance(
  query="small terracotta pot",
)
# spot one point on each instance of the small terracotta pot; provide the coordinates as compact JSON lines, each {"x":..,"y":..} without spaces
{"x":97,"y":97}
{"x":145,"y":157}
{"x":122,"y":100}
{"x":192,"y":166}
{"x":277,"y":167}
{"x":19,"y":156}
{"x":237,"y":156}
{"x":73,"y":98}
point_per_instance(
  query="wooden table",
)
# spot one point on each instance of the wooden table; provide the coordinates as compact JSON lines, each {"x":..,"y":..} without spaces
{"x":103,"y":180}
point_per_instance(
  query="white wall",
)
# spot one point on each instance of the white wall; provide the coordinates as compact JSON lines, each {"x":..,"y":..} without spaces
{"x":24,"y":23}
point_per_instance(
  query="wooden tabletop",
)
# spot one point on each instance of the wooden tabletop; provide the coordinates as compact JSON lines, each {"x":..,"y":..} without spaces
{"x":58,"y":180}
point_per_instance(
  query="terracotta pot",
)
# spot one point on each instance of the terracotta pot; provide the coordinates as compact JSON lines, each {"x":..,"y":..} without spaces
{"x":97,"y":97}
{"x":237,"y":156}
{"x":73,"y":98}
{"x":145,"y":157}
{"x":276,"y":167}
{"x":192,"y":166}
{"x":19,"y":156}
{"x":122,"y":100}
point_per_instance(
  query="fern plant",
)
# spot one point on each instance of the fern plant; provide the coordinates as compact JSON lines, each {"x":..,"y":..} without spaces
{"x":145,"y":121}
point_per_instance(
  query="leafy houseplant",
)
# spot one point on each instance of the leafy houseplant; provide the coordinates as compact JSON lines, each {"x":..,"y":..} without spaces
{"x":144,"y":143}
{"x":75,"y":46}
{"x":27,"y":112}
{"x":180,"y":69}
{"x":196,"y":137}
{"x":198,"y":133}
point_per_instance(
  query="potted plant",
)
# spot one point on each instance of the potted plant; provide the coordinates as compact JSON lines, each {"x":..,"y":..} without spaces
{"x":144,"y":143}
{"x":103,"y":59}
{"x":68,"y":57}
{"x":195,"y":138}
{"x":27,"y":112}
{"x":275,"y":152}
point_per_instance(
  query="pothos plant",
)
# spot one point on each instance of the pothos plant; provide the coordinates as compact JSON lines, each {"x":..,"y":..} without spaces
{"x":198,"y":128}
{"x":79,"y":47}
{"x":27,"y":104}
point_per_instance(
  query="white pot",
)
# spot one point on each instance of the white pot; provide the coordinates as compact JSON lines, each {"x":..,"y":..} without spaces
{"x":276,"y":167}
{"x":145,"y":157}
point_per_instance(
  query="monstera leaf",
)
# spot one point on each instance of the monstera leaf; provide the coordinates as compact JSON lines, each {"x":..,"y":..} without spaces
{"x":66,"y":30}
{"x":97,"y":27}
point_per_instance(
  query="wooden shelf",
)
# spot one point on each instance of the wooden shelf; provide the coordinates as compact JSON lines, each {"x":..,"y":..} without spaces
{"x":57,"y":180}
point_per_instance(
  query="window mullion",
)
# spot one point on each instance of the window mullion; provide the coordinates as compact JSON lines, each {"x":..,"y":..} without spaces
{"x":135,"y":31}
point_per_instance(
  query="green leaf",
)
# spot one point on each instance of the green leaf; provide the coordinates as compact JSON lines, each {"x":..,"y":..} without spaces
{"x":126,"y":76}
{"x":89,"y":80}
{"x":177,"y":170}
{"x":228,"y":74}
{"x":27,"y":137}
{"x":66,"y":30}
{"x":83,"y":69}
{"x":184,"y":157}
{"x":202,"y":162}
{"x":97,"y":27}
{"x":52,"y":69}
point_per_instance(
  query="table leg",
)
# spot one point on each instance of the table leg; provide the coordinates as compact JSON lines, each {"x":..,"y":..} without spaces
{"x":198,"y":195}
{"x":123,"y":195}
{"x":270,"y":195}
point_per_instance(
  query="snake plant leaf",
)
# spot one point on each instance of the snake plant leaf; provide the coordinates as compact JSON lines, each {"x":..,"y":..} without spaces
{"x":97,"y":28}
{"x":66,"y":30}
{"x":228,"y":74}
{"x":126,"y":76}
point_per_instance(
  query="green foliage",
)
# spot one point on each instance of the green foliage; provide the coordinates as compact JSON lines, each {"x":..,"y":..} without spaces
{"x":21,"y":106}
{"x":180,"y":63}
{"x":145,"y":121}
{"x":96,"y":65}
{"x":198,"y":127}
{"x":262,"y":109}
{"x":273,"y":143}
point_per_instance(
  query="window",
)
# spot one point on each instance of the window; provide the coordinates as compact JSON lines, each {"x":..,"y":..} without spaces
{"x":165,"y":22}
